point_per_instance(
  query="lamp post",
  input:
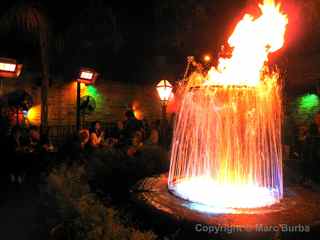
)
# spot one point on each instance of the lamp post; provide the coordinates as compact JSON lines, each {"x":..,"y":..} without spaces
{"x":87,"y":76}
{"x":164,"y":89}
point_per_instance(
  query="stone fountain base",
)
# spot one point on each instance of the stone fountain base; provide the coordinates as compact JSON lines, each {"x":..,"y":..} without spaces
{"x":297,"y":213}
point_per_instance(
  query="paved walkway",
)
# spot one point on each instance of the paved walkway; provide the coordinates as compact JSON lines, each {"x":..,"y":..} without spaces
{"x":20,"y":211}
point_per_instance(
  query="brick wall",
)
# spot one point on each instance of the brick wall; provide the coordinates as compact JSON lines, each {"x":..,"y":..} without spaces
{"x":112,"y":99}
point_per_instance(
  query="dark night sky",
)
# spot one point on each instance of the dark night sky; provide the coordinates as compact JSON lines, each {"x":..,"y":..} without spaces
{"x":135,"y":60}
{"x":134,"y":18}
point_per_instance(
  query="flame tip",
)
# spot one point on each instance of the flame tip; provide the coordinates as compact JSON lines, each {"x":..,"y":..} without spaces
{"x":252,"y":40}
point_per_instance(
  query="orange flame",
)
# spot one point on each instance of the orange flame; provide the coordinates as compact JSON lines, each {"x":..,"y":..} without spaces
{"x":251,"y":42}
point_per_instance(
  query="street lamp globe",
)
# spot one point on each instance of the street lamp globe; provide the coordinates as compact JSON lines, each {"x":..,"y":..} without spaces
{"x":207,"y":58}
{"x":164,"y":89}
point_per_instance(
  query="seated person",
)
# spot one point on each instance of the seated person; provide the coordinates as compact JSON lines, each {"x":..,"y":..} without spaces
{"x":15,"y":139}
{"x":96,"y":135}
{"x":136,"y":144}
{"x":34,"y":137}
{"x":46,"y":144}
{"x":110,"y":142}
{"x":131,"y":126}
{"x":153,"y":138}
{"x":137,"y":139}
{"x":84,"y":138}
{"x":13,"y":145}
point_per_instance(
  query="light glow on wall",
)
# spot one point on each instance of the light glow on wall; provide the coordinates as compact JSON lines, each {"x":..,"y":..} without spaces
{"x":305,"y":107}
{"x":309,"y":102}
{"x":91,"y":91}
{"x":34,"y":115}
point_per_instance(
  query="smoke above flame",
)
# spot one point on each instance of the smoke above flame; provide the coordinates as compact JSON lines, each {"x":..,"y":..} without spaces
{"x":251,"y":42}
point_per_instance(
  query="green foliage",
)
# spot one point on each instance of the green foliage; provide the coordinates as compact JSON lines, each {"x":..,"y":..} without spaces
{"x":85,"y":216}
{"x":26,"y":18}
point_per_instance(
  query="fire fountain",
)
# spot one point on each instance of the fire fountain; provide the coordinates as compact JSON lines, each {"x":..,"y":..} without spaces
{"x":226,"y":158}
{"x":227,"y":141}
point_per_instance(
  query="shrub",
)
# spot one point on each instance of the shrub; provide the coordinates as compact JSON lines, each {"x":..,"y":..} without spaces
{"x":84,"y":215}
{"x":105,"y":168}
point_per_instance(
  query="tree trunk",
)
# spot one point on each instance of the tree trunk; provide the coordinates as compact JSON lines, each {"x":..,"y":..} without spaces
{"x":45,"y":80}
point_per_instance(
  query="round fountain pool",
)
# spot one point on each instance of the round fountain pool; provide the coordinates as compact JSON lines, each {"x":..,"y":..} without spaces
{"x":298,"y":207}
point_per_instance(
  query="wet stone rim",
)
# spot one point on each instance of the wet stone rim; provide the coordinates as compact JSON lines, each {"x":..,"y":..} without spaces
{"x":300,"y":206}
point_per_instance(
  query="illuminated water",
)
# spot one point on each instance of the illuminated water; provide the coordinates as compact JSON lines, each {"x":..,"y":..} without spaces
{"x":226,"y":149}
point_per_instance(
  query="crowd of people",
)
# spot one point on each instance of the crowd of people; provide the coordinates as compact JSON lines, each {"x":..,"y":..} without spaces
{"x":26,"y":150}
{"x":305,"y":147}
{"x":23,"y":152}
{"x":131,"y":134}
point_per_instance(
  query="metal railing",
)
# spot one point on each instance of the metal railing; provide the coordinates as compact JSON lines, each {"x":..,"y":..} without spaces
{"x":58,"y":134}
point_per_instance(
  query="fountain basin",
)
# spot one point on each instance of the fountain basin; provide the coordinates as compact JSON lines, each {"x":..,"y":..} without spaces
{"x":300,"y":207}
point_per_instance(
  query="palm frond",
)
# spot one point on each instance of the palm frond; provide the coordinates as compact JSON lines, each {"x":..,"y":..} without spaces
{"x":25,"y":18}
